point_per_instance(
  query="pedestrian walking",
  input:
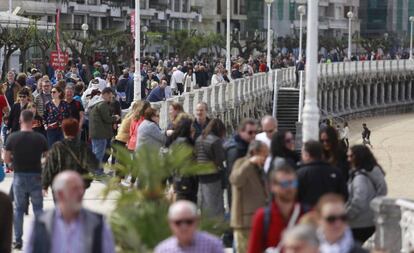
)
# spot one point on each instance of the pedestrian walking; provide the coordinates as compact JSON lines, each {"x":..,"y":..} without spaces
{"x":366,"y":135}
{"x":55,"y":111}
{"x":69,"y":154}
{"x":101,"y":123}
{"x":183,"y":220}
{"x":209,"y":149}
{"x":345,"y":135}
{"x":249,"y":191}
{"x":367,"y":181}
{"x":69,"y":227}
{"x":317,"y":177}
{"x":26,"y":162}
{"x":269,"y":223}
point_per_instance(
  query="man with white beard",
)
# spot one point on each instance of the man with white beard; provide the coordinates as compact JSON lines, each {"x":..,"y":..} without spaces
{"x":70,"y":227}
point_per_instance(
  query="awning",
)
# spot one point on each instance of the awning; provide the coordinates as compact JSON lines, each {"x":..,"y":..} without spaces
{"x":13,"y":21}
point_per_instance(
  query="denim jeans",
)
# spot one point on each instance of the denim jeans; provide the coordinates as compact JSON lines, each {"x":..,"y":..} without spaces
{"x":99,"y":148}
{"x":26,"y":184}
{"x":54,"y":135}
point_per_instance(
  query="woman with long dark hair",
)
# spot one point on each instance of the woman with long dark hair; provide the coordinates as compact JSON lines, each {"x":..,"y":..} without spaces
{"x":366,"y":182}
{"x":184,"y":187}
{"x":283,"y":146}
{"x":334,"y":152}
{"x":209,"y":149}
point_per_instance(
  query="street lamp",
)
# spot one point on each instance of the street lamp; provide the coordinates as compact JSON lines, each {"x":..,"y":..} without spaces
{"x":228,"y":62}
{"x":350,"y":15}
{"x":411,"y":37}
{"x":310,"y":110}
{"x":269,"y":35}
{"x":85,"y":28}
{"x":137,"y":55}
{"x":301,"y":10}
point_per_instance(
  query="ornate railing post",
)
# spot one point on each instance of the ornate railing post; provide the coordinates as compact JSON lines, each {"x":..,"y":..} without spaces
{"x":407,"y":226}
{"x":387,"y":222}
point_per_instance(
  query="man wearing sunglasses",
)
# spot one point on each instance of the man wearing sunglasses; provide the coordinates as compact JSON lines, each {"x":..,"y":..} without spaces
{"x":334,"y":232}
{"x":183,"y":220}
{"x":317,"y":177}
{"x":283,"y":213}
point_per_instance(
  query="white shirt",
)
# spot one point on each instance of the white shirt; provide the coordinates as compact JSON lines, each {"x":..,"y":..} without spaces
{"x":189,"y":82}
{"x":177,"y":77}
{"x":216,"y":79}
{"x":102,"y":84}
{"x":345,"y":133}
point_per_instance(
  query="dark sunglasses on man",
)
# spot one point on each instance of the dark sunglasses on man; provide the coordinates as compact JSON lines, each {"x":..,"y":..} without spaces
{"x":333,"y":218}
{"x":287,"y":184}
{"x":187,"y":222}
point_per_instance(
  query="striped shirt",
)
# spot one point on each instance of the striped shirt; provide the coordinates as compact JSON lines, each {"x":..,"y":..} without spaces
{"x":202,"y":243}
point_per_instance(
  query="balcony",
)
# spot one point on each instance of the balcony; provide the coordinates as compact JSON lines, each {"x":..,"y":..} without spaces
{"x":34,"y":7}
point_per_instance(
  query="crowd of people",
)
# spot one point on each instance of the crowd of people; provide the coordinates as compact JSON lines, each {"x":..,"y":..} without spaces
{"x":57,"y":129}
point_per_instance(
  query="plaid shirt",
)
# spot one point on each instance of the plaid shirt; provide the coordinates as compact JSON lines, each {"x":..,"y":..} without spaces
{"x":202,"y":243}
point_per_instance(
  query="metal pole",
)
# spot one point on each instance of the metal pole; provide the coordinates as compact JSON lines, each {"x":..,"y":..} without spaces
{"x":228,"y":62}
{"x":349,"y":39}
{"x":137,"y":74}
{"x":268,"y":58}
{"x":300,"y":36}
{"x":275,"y":91}
{"x":411,"y":41}
{"x":301,"y":93}
{"x":84,"y":34}
{"x":10,"y":6}
{"x":310,"y":110}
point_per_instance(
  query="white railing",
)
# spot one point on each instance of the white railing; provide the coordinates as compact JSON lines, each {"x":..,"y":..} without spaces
{"x":360,"y":67}
{"x":230,"y":96}
{"x":407,"y":225}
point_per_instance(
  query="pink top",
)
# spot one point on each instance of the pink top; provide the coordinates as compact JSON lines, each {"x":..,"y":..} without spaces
{"x":133,"y":133}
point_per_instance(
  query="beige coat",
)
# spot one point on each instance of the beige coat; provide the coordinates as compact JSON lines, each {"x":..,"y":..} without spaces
{"x":248,"y":190}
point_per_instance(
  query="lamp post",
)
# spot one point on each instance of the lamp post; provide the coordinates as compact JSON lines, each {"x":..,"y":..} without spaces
{"x":228,"y":62}
{"x":269,"y":34}
{"x":411,"y":37}
{"x":350,"y":15}
{"x":310,"y":115}
{"x":85,"y":28}
{"x":137,"y":55}
{"x":301,"y":10}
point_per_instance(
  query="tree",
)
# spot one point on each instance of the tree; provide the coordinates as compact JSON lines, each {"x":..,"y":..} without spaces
{"x":139,"y":220}
{"x":13,"y":39}
{"x":111,"y":41}
{"x":214,"y":41}
{"x":81,"y":47}
{"x":186,"y":43}
{"x":249,"y":46}
{"x":45,"y":40}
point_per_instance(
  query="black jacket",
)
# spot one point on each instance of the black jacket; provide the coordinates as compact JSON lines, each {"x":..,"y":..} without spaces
{"x":317,"y":179}
{"x":235,"y":149}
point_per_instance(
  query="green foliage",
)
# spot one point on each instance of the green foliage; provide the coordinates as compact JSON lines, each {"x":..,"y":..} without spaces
{"x":139,"y":221}
{"x":186,"y":43}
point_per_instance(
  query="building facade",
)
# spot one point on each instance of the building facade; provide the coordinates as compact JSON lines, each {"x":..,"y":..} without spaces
{"x":333,"y":19}
{"x":157,"y":15}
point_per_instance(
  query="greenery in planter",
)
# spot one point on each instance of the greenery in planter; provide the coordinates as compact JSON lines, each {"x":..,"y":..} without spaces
{"x":139,"y":220}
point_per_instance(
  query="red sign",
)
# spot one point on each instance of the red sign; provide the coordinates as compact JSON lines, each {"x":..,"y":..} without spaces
{"x":59,"y":60}
{"x":133,"y":24}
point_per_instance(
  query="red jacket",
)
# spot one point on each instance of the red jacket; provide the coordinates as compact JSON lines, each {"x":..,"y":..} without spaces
{"x":257,"y":244}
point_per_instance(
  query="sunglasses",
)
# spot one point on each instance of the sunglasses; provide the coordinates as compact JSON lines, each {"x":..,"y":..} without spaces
{"x":333,"y":218}
{"x":53,"y":91}
{"x":287,"y":183}
{"x":325,"y":141}
{"x":22,"y":96}
{"x":289,"y":140}
{"x":188,"y":222}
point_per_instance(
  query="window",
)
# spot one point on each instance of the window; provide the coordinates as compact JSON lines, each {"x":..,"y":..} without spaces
{"x":218,"y":27}
{"x":236,"y":7}
{"x":218,"y":6}
{"x":176,"y":5}
{"x":185,"y":5}
{"x":280,"y":9}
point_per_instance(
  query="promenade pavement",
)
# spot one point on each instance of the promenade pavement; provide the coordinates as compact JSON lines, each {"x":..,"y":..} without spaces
{"x":392,"y":138}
